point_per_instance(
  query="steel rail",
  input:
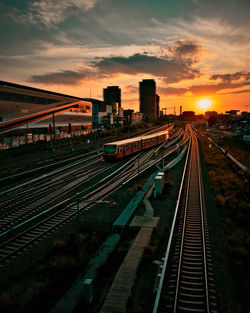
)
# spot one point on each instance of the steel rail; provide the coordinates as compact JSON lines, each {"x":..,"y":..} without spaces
{"x":97,"y":194}
{"x":28,"y":199}
{"x":187,"y":289}
{"x":47,"y":175}
{"x":93,"y":196}
{"x":183,"y":231}
{"x":190,"y":225}
{"x":155,"y":162}
{"x":203,"y":227}
{"x":33,"y":209}
{"x":44,"y":166}
{"x":166,"y":256}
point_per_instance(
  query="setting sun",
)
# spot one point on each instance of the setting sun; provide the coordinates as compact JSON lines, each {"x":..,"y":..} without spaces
{"x":204,"y":103}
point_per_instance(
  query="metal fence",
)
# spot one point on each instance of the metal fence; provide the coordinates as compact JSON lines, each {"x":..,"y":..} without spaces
{"x":16,"y":141}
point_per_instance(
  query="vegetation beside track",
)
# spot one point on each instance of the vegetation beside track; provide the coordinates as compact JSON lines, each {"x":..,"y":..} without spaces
{"x":231,"y":192}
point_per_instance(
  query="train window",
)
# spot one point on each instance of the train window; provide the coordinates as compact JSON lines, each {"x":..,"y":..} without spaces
{"x":121,"y":149}
{"x":135,"y":145}
{"x":127,"y":147}
{"x":110,"y":149}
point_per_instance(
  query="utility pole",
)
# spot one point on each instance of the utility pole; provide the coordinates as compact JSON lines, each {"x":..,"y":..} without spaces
{"x":70,"y":133}
{"x":54,"y":132}
{"x":78,"y":228}
{"x":27,"y":134}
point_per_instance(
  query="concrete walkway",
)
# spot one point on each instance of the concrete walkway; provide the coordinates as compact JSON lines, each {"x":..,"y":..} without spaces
{"x":117,"y":297}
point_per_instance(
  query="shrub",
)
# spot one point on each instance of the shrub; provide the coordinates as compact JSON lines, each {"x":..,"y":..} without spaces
{"x":6,"y":303}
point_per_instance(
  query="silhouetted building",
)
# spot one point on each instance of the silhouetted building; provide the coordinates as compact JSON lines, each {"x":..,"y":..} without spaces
{"x":188,"y":114}
{"x":148,"y":104}
{"x":112,"y":95}
{"x":131,"y":117}
{"x":210,"y":113}
{"x":157,"y":98}
{"x":233,"y":112}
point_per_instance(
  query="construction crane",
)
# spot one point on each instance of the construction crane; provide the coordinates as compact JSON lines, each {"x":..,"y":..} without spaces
{"x":165,"y":110}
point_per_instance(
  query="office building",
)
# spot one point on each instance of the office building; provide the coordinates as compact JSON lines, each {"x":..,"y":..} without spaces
{"x":131,"y":117}
{"x":157,"y":99}
{"x":112,"y":95}
{"x":148,"y":103}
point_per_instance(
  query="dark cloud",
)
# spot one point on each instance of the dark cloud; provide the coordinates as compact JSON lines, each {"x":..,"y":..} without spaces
{"x":185,"y":48}
{"x":132,"y":89}
{"x":213,"y":89}
{"x":60,"y":78}
{"x":171,"y":69}
{"x":205,"y":89}
{"x":235,"y":92}
{"x":244,"y":75}
{"x":172,"y":91}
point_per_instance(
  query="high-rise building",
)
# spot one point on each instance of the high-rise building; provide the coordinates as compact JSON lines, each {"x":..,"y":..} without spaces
{"x":148,"y":101}
{"x":112,"y":95}
{"x":157,"y":99}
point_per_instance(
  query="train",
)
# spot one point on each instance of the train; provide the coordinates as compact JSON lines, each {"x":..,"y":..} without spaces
{"x":117,"y":150}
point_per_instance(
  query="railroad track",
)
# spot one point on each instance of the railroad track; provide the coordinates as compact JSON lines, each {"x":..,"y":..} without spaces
{"x":25,"y":202}
{"x":187,"y":283}
{"x":48,"y":220}
{"x":55,"y":217}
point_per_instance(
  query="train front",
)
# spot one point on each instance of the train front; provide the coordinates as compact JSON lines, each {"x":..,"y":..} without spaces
{"x":110,"y":151}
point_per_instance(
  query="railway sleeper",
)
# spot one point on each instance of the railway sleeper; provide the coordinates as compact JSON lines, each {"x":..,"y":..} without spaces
{"x":192,"y":262}
{"x":35,"y":233}
{"x":3,"y":253}
{"x":194,"y":211}
{"x":192,"y":284}
{"x":194,"y":267}
{"x":191,"y":232}
{"x":196,"y":290}
{"x":192,"y":304}
{"x":191,"y":295}
{"x":193,"y":218}
{"x":28,"y":236}
{"x":193,"y":248}
{"x":193,"y":228}
{"x":193,"y":273}
{"x":22,"y":241}
{"x":194,"y":310}
{"x":197,"y":256}
{"x":188,"y":277}
{"x":189,"y":240}
{"x":193,"y":252}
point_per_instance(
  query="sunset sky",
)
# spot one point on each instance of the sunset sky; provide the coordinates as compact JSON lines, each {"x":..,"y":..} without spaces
{"x":194,"y":49}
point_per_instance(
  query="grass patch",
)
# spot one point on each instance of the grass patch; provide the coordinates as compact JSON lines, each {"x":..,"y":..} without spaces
{"x":232,"y":192}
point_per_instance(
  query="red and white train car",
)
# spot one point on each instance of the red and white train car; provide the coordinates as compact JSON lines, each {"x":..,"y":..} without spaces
{"x":118,"y":149}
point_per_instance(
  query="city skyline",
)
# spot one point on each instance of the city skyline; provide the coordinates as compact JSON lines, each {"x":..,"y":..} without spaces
{"x":194,"y":50}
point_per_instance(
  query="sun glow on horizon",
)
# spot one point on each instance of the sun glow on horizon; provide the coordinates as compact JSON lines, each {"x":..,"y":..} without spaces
{"x":204,"y":103}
